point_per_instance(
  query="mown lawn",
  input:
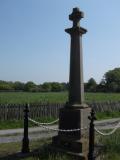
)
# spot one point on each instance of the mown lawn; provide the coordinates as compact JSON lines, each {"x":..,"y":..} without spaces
{"x":52,"y":97}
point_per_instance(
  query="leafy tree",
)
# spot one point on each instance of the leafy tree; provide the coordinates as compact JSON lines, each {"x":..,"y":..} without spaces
{"x":64,"y":86}
{"x":29,"y":86}
{"x":91,"y":85}
{"x":112,"y":80}
{"x":19,"y":86}
{"x":46,"y":87}
{"x":56,"y":87}
{"x":101,"y":87}
{"x":6,"y":86}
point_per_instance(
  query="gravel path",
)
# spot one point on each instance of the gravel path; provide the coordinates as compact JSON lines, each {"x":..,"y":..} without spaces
{"x":16,"y":135}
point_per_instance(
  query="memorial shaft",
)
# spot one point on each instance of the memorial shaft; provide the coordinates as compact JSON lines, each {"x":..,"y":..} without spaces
{"x":74,"y":115}
{"x":76,"y":84}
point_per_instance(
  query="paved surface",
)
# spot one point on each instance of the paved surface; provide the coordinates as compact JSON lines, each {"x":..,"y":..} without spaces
{"x":32,"y":136}
{"x":15,"y":135}
{"x":107,"y":124}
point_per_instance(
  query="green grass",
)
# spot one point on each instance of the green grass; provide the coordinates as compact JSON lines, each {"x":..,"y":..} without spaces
{"x":26,"y":97}
{"x":52,"y":97}
{"x":10,"y":124}
{"x":107,"y":115}
{"x":102,"y":97}
{"x":40,"y":150}
{"x":111,"y":145}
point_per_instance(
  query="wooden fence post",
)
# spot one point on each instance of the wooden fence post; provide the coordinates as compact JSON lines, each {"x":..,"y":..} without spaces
{"x":92,"y":118}
{"x":25,"y":142}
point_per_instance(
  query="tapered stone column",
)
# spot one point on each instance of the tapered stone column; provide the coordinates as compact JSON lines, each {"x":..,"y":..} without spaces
{"x":76,"y":89}
{"x":75,"y":113}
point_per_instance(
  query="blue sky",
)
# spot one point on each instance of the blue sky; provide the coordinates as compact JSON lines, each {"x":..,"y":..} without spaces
{"x":35,"y":47}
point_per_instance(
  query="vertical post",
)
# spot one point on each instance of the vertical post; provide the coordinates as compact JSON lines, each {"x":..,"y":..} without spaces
{"x":25,"y":144}
{"x":76,"y":84}
{"x":92,"y":118}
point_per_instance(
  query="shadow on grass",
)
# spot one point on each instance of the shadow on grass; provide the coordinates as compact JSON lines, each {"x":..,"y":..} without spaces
{"x":45,"y":152}
{"x":17,"y":156}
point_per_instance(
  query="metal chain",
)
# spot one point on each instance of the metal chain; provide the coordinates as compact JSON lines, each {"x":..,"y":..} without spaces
{"x":111,"y":132}
{"x":55,"y":129}
{"x":47,"y":123}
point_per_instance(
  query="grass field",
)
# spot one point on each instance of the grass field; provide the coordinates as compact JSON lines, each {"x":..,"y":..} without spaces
{"x":27,"y":97}
{"x":59,"y":97}
{"x":41,"y":150}
{"x":52,"y":97}
{"x":111,"y":145}
{"x":12,"y":124}
{"x":111,"y":152}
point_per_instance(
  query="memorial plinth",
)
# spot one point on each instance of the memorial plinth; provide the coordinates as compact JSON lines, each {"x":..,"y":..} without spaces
{"x":75,"y":113}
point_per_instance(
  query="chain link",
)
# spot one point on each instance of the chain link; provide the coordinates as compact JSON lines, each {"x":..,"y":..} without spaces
{"x":55,"y":129}
{"x":47,"y":123}
{"x":111,"y":132}
{"x":71,"y":130}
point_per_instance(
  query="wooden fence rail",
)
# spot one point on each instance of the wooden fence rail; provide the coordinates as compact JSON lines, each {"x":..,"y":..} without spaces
{"x":106,"y":106}
{"x":15,"y":111}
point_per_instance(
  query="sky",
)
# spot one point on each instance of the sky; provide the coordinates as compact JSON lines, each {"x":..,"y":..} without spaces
{"x":34,"y":46}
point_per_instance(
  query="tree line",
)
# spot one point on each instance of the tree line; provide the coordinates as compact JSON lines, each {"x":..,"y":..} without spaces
{"x":109,"y":83}
{"x":32,"y":87}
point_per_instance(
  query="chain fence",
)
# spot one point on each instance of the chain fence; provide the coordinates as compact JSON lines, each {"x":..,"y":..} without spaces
{"x":45,"y":109}
{"x":102,"y":139}
{"x":111,"y":132}
{"x":107,"y":142}
{"x":43,"y":125}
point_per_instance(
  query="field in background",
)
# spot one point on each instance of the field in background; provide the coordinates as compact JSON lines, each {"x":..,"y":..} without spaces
{"x":52,"y":97}
{"x":31,"y":97}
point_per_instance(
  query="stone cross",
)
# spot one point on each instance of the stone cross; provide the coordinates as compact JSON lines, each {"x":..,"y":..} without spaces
{"x":76,"y":84}
{"x":76,"y":16}
{"x":75,"y":113}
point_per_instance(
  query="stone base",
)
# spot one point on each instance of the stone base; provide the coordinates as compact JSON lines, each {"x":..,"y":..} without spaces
{"x":74,"y":142}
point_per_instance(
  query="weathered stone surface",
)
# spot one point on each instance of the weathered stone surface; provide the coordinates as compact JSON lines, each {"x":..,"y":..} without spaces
{"x":75,"y":113}
{"x":75,"y":142}
{"x":76,"y":84}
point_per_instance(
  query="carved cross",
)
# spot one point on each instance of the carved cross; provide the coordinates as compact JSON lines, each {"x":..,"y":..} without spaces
{"x":76,"y":16}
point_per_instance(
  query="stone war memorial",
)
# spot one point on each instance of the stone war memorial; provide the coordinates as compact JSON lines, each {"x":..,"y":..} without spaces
{"x":73,"y":118}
